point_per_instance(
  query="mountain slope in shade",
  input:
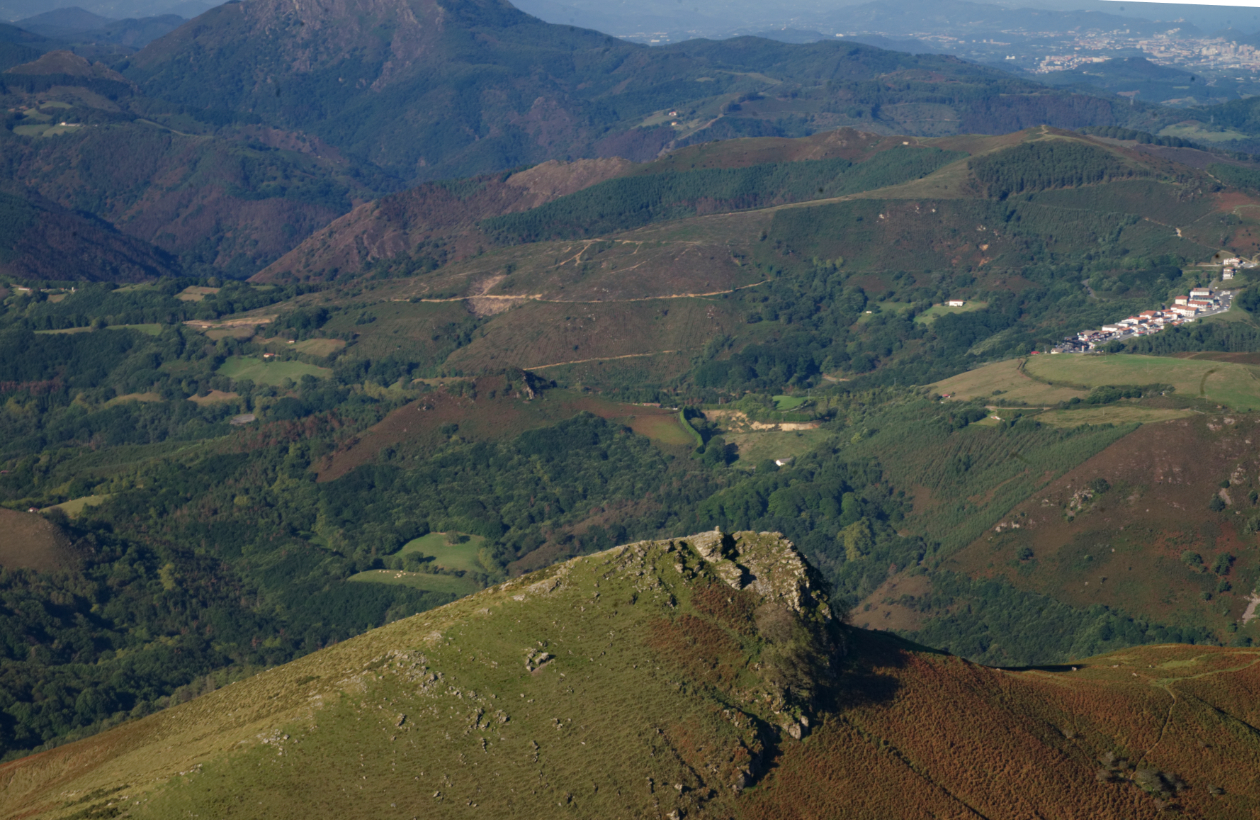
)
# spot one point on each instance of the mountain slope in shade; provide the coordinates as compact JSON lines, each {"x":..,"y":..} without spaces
{"x":63,"y":23}
{"x":430,"y":91}
{"x":667,"y":679}
{"x":41,"y":240}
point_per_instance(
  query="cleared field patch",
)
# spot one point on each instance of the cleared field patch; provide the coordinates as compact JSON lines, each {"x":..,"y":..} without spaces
{"x":1112,"y":414}
{"x":271,"y":373}
{"x":193,"y":293}
{"x":417,"y":580}
{"x":75,"y":506}
{"x":1227,"y":383}
{"x":447,"y":550}
{"x":935,"y":312}
{"x":758,"y":446}
{"x":127,"y":397}
{"x":309,"y":347}
{"x":786,"y":403}
{"x":1004,"y":382}
{"x":1195,"y":131}
{"x":28,"y":541}
{"x":319,"y":347}
{"x":214,"y":397}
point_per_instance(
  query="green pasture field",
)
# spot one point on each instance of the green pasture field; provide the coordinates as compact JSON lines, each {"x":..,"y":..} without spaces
{"x":193,"y":293}
{"x":449,"y":556}
{"x":75,"y":506}
{"x":1003,"y":382}
{"x":757,"y":446}
{"x":935,"y":312}
{"x":885,"y":307}
{"x":1234,"y":385}
{"x":417,"y":580}
{"x":1194,"y":131}
{"x":141,"y":397}
{"x":272,"y":373}
{"x":787,"y":403}
{"x":1112,"y":414}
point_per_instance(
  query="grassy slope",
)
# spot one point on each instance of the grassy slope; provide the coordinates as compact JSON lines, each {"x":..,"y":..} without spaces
{"x":580,"y":305}
{"x":655,"y":702}
{"x":1233,"y":385}
{"x":273,"y":373}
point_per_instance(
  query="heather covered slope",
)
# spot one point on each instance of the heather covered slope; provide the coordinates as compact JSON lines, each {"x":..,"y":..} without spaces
{"x":672,"y":677}
{"x":768,"y":237}
{"x":42,"y":240}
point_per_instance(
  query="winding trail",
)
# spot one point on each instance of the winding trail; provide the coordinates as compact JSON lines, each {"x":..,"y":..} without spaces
{"x":538,"y":297}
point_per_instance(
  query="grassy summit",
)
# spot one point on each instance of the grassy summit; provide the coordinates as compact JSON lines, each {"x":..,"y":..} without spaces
{"x":697,"y":677}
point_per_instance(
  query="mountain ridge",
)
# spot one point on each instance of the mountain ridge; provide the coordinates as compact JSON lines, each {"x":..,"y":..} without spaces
{"x":667,"y":677}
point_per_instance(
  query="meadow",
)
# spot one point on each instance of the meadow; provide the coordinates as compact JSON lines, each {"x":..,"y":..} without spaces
{"x":754,"y":447}
{"x":75,"y":506}
{"x":1236,"y":386}
{"x":1004,"y":382}
{"x":935,"y":312}
{"x":260,"y":371}
{"x":460,"y":555}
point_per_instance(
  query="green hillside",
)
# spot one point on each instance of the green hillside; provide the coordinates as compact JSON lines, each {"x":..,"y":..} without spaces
{"x":664,"y":364}
{"x":698,"y":677}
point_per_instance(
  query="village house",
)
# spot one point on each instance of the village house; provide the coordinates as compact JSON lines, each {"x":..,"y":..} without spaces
{"x":956,"y":302}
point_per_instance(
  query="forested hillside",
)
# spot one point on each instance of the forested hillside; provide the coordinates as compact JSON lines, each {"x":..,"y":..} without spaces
{"x":530,"y":91}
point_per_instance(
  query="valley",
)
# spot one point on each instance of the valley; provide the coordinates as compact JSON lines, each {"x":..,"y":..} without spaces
{"x":425,"y":408}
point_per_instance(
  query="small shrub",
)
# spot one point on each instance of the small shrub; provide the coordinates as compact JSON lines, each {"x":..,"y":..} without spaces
{"x":1026,"y":554}
{"x":1192,"y":558}
{"x":1217,"y":504}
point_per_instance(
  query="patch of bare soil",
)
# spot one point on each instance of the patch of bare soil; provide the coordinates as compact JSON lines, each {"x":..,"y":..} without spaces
{"x":554,"y":179}
{"x":29,"y":541}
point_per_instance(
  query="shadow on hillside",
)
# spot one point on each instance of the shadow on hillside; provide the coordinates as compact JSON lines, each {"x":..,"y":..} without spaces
{"x":868,"y":674}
